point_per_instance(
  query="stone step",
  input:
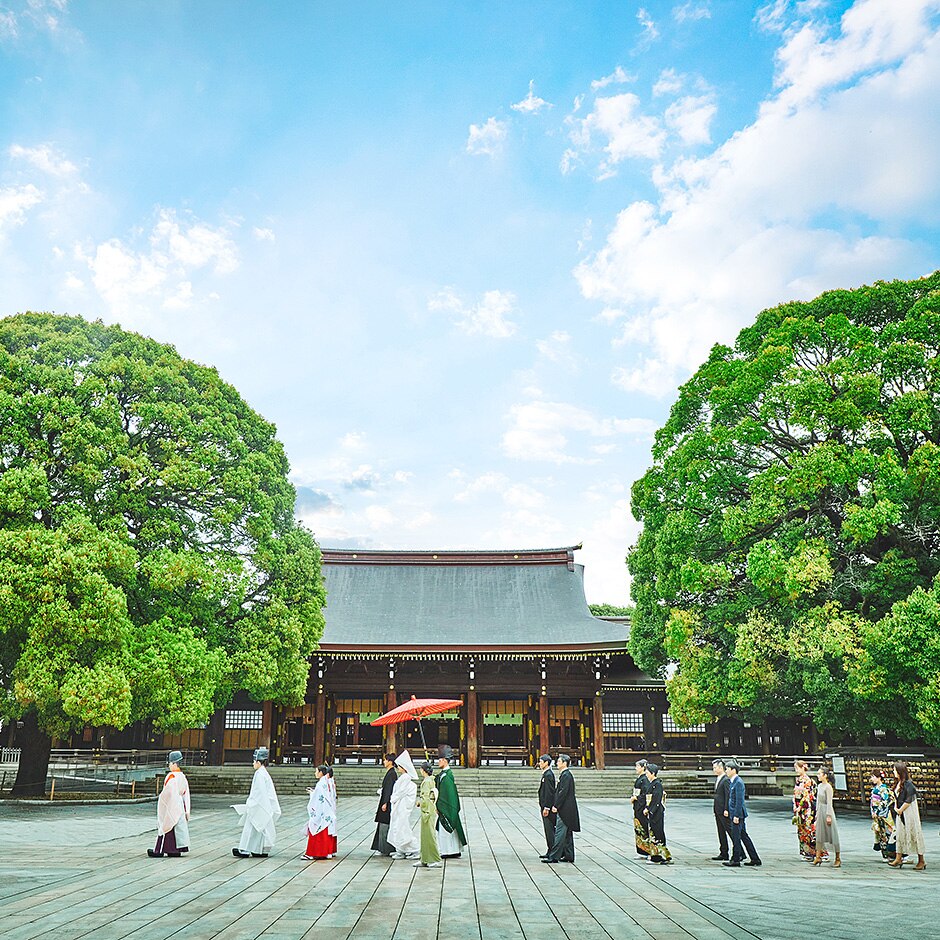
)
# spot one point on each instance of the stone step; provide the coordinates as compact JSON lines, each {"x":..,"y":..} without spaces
{"x":616,"y":783}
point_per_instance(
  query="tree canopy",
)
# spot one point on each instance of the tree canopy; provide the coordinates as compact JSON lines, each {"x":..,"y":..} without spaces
{"x":791,"y":520}
{"x":150,"y":562}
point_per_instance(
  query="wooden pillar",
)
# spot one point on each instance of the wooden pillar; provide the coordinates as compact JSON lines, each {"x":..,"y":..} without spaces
{"x":215,"y":734}
{"x":473,"y":734}
{"x":267,"y":722}
{"x":653,"y":721}
{"x":598,"y":732}
{"x":391,"y":743}
{"x":319,"y":728}
{"x":544,"y":723}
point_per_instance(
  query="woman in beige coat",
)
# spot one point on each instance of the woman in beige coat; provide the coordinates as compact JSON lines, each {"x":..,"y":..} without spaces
{"x":909,"y":837}
{"x":827,"y":830}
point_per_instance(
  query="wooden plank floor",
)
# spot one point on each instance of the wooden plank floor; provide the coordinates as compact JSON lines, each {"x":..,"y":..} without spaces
{"x":73,"y":873}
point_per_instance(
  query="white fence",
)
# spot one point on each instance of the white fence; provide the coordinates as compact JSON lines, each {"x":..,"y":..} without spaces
{"x":9,"y":755}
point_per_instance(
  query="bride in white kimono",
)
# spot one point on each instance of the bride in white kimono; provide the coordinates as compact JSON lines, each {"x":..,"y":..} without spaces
{"x":261,"y":811}
{"x":404,"y":803}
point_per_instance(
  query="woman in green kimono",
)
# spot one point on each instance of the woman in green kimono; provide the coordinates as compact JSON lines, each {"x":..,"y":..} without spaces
{"x":427,"y":800}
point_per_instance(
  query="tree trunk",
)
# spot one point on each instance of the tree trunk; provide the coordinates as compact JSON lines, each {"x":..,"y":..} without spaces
{"x":34,"y":745}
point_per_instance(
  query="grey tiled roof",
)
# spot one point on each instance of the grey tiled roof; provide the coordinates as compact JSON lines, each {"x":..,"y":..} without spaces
{"x":461,"y":605}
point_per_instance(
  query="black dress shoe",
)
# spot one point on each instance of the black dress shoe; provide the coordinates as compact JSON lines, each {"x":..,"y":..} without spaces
{"x":755,"y":864}
{"x":731,"y":864}
{"x":238,"y":854}
{"x":259,"y":854}
{"x":153,"y":854}
{"x":544,"y":856}
{"x":719,"y":858}
{"x":550,"y":861}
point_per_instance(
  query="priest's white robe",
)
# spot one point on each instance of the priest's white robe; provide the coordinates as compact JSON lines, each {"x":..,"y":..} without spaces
{"x":173,"y":808}
{"x":261,"y":812}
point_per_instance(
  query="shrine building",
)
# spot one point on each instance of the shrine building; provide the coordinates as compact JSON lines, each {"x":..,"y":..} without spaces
{"x":508,"y":633}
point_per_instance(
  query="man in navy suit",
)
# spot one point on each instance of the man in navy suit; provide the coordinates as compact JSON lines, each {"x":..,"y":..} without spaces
{"x":737,"y":814}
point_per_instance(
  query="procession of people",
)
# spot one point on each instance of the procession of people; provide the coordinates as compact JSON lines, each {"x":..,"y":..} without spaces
{"x":419,"y":818}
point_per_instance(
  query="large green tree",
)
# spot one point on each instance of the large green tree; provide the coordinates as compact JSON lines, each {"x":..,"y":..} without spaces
{"x":150,"y":562}
{"x":791,"y":519}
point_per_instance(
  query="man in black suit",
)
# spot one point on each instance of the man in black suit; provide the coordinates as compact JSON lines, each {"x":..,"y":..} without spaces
{"x":547,"y":801}
{"x":722,"y":822}
{"x":565,"y":810}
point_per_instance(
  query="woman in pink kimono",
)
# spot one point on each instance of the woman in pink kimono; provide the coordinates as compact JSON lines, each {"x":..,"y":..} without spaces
{"x":172,"y":812}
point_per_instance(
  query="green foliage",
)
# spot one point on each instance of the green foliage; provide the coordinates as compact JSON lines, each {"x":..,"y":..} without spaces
{"x":791,"y":518}
{"x":610,"y":610}
{"x":150,"y":563}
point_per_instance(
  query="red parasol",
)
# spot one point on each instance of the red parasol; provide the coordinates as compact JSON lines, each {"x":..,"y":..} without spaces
{"x":417,"y":708}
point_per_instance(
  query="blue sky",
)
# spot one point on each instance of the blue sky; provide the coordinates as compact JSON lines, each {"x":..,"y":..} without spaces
{"x":463,"y":254}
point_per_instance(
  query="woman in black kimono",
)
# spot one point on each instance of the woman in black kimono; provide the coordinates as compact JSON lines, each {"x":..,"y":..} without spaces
{"x":641,"y":828}
{"x":383,"y":815}
{"x":656,"y":814}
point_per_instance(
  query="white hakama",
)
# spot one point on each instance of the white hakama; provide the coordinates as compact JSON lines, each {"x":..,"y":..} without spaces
{"x":261,"y":812}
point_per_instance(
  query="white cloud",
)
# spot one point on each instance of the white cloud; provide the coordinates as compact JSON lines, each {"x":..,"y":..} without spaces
{"x":541,"y":430}
{"x":160,"y":274}
{"x":690,"y":117}
{"x":692,"y":10}
{"x":33,"y":15}
{"x":568,"y":161}
{"x":670,"y":82}
{"x":194,"y":244}
{"x":353,"y":440}
{"x":15,"y":203}
{"x":531,"y":104}
{"x":749,"y":225}
{"x":557,"y":348}
{"x":607,"y":538}
{"x":487,"y":138}
{"x":874,"y":34}
{"x":420,"y":520}
{"x":46,"y":159}
{"x":617,"y":77}
{"x":625,"y":132}
{"x":517,"y":495}
{"x":264,"y":234}
{"x":486,"y":317}
{"x":650,"y":29}
{"x":379,"y":517}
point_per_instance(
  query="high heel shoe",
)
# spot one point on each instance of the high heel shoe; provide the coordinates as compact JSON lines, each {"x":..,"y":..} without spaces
{"x":817,"y":861}
{"x":897,"y":863}
{"x":920,"y":866}
{"x":837,"y":864}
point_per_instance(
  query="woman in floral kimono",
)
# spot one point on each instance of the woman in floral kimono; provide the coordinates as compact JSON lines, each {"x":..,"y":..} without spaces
{"x":321,"y":813}
{"x":804,"y":810}
{"x":882,"y":824}
{"x":641,"y":826}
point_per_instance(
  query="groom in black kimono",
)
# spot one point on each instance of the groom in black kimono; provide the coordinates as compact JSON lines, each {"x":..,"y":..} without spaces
{"x":567,"y":820}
